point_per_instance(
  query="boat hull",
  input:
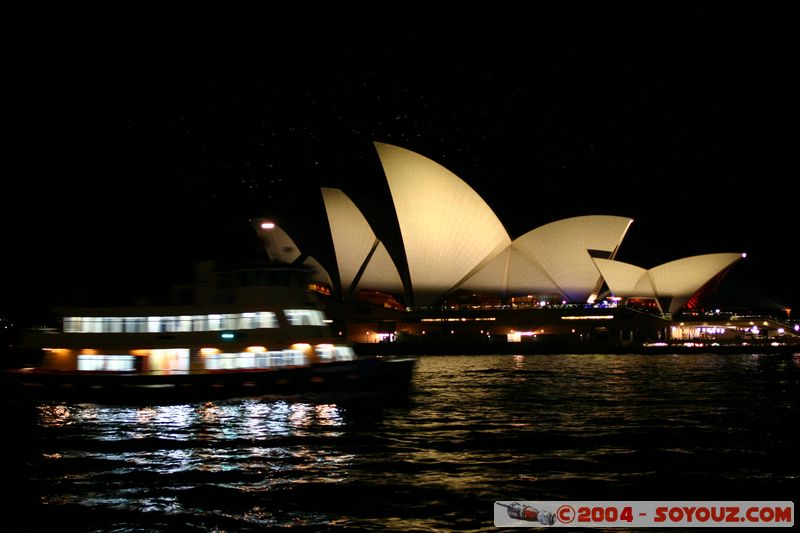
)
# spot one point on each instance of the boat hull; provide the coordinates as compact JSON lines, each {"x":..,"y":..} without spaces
{"x":372,"y":376}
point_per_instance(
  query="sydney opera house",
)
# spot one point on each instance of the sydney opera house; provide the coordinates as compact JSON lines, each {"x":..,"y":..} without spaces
{"x":448,"y":269}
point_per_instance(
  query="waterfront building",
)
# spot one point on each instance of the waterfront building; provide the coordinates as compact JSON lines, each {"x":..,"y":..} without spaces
{"x":448,"y":271}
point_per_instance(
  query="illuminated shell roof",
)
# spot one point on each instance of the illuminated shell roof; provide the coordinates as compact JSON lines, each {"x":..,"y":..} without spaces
{"x":682,"y":278}
{"x":381,"y":273}
{"x":319,"y":273}
{"x":453,"y":240}
{"x":354,"y":243}
{"x":281,"y":248}
{"x":625,"y":280}
{"x":562,"y":250}
{"x":511,"y":273}
{"x":677,"y":280}
{"x":448,"y":230}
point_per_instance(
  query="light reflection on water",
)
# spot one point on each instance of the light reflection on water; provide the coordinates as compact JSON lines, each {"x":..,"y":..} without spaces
{"x":211,"y":421}
{"x":475,"y":429}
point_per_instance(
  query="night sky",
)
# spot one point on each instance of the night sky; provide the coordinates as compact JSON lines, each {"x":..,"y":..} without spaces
{"x":131,"y":157}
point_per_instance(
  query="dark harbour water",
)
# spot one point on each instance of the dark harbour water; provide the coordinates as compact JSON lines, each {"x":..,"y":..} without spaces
{"x":474,"y":429}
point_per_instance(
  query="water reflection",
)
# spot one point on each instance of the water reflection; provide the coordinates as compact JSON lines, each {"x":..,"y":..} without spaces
{"x":54,"y":415}
{"x":477,"y":429}
{"x":249,"y":419}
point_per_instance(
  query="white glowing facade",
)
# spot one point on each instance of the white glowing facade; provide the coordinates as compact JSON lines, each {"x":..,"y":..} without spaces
{"x":282,"y":249}
{"x":279,"y":246}
{"x":361,"y":258}
{"x":451,"y":239}
{"x":554,"y":259}
{"x":675,"y":282}
{"x":448,"y":230}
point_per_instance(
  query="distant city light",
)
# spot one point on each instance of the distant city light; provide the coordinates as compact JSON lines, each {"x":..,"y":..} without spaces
{"x":744,"y":254}
{"x":267,"y":225}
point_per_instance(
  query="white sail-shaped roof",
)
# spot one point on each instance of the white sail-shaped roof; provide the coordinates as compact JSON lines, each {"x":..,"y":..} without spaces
{"x":492,"y":278}
{"x":511,"y":273}
{"x":381,"y":273}
{"x":353,"y":243}
{"x":448,"y":230}
{"x":279,"y":246}
{"x":625,"y":280}
{"x":562,"y":250}
{"x":682,"y":278}
{"x":527,"y":277}
{"x":677,"y":280}
{"x":319,"y":274}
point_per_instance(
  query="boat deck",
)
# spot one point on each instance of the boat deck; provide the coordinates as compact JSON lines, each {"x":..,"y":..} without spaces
{"x":364,"y":376}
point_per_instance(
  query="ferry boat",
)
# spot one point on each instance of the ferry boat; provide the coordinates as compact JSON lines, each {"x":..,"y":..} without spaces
{"x":256,"y":332}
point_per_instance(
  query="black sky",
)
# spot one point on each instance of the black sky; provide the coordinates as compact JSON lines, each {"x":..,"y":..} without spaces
{"x":134,"y":155}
